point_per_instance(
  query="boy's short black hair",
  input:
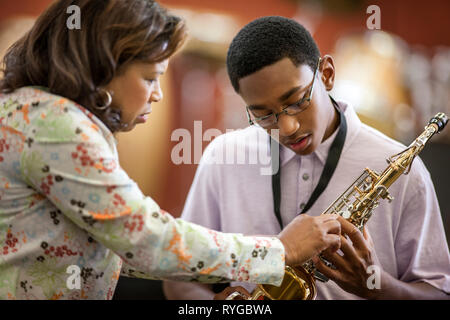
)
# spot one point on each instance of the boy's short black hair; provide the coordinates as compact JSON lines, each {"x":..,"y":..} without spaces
{"x":267,"y":40}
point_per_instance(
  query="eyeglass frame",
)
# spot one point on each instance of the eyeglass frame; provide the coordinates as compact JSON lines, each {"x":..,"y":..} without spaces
{"x":284,"y":110}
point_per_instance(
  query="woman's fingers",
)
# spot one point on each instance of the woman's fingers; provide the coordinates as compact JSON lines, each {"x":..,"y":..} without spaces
{"x":333,"y":230}
{"x":328,"y":217}
{"x":333,"y":242}
{"x":333,"y":226}
{"x":353,"y":233}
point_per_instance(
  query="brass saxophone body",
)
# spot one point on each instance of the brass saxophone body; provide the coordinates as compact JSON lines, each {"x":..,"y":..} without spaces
{"x":356,"y":205}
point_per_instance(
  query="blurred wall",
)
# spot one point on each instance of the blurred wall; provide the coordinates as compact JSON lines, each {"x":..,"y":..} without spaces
{"x":13,"y":28}
{"x":417,"y":22}
{"x":10,"y":8}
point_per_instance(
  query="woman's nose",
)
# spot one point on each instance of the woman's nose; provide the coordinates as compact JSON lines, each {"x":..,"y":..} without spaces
{"x":157,"y":93}
{"x":288,"y":125}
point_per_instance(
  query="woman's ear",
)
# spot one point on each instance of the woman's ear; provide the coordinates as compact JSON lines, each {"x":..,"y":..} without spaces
{"x":327,"y":72}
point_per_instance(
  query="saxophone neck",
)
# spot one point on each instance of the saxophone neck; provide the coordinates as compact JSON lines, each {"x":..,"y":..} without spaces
{"x":421,"y":140}
{"x":435,"y":125}
{"x":403,"y":160}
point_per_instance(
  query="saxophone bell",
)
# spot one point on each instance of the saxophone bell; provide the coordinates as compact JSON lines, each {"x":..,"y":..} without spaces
{"x":297,"y":284}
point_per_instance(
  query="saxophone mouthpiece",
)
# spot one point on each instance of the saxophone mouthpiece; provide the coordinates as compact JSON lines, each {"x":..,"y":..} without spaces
{"x":440,"y":120}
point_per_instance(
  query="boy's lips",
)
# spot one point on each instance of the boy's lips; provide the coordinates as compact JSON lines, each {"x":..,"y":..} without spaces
{"x":300,"y":144}
{"x":296,"y":140}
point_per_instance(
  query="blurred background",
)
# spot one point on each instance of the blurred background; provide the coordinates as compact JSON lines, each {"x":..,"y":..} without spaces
{"x":396,"y":78}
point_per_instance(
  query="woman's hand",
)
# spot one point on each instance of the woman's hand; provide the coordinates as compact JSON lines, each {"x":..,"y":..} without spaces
{"x":306,"y":236}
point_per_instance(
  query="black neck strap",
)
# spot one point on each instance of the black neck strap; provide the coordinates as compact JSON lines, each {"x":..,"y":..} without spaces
{"x":334,"y":154}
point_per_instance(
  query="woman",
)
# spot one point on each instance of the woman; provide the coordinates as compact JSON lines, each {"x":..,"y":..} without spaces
{"x":66,"y":206}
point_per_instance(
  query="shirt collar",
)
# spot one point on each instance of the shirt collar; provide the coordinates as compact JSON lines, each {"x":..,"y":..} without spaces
{"x":353,"y":124}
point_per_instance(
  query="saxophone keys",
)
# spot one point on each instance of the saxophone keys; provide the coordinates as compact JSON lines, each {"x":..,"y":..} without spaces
{"x":386,"y":195}
{"x":345,"y":214}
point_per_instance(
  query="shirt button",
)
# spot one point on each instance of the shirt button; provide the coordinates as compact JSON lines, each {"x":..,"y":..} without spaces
{"x":302,"y":205}
{"x":305,"y":176}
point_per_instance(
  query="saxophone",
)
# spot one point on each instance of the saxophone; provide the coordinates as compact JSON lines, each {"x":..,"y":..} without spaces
{"x":356,"y":205}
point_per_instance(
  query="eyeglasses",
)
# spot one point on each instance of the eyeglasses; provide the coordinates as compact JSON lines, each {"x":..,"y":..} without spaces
{"x":292,"y":109}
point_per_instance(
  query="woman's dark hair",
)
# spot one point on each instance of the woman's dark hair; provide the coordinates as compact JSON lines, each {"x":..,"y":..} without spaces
{"x":267,"y":40}
{"x":76,"y":63}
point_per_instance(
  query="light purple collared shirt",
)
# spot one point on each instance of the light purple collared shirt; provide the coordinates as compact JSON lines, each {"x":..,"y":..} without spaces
{"x":408,"y":234}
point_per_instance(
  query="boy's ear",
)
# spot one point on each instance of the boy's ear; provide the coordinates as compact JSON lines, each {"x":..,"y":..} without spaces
{"x":327,"y":72}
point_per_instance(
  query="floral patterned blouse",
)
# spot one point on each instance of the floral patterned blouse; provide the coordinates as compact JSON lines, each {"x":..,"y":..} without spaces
{"x":71,"y":220}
